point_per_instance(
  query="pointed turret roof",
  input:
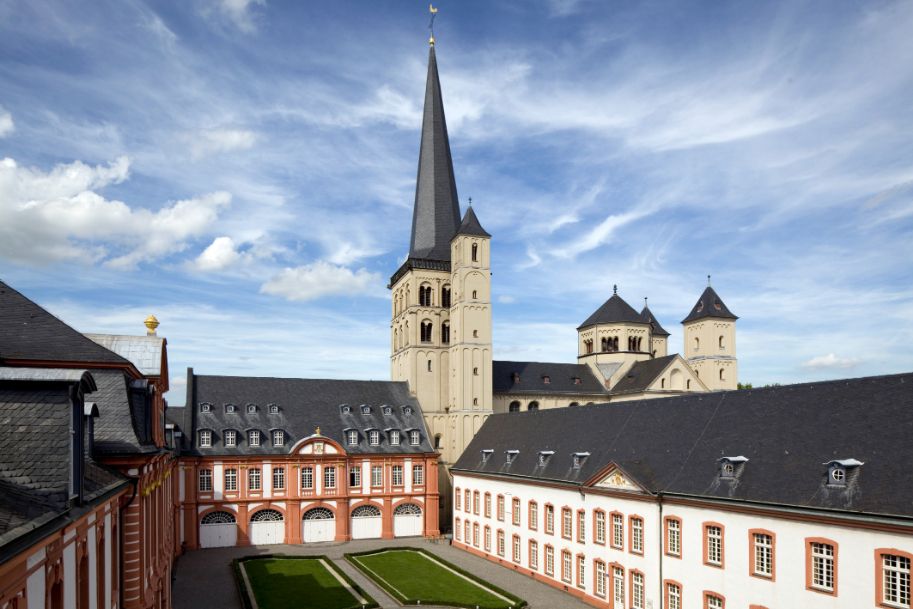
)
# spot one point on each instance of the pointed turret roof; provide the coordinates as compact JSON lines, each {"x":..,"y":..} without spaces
{"x":471,"y":225}
{"x":437,"y":209}
{"x":648,"y":317}
{"x":614,"y":310}
{"x":709,"y":305}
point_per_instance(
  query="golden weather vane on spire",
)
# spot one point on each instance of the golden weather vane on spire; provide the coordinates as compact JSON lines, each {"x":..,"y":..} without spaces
{"x":433,"y":12}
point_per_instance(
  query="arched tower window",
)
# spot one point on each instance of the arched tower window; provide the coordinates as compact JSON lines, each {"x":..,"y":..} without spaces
{"x":534,"y":405}
{"x":722,"y":374}
{"x":424,"y":295}
{"x":722,"y":344}
{"x":605,"y":343}
{"x":445,"y":333}
{"x":475,"y":294}
{"x":514,"y":406}
{"x":445,"y":297}
{"x":437,"y":440}
{"x":475,"y":252}
{"x":426,"y":330}
{"x":615,"y":344}
{"x":697,"y":344}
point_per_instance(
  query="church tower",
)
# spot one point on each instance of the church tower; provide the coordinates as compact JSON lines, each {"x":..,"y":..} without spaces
{"x":709,"y":332}
{"x":441,"y":295}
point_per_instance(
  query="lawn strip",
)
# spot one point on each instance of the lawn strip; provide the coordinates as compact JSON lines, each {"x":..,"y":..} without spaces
{"x":342,"y":581}
{"x":384,"y":583}
{"x":469,"y":579}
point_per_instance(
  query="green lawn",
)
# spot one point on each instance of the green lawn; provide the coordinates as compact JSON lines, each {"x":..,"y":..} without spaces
{"x":297,"y":583}
{"x":411,"y":577}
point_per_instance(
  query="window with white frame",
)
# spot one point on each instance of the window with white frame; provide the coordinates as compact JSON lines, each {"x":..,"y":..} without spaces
{"x":600,"y":526}
{"x":418,"y":475}
{"x":488,"y":539}
{"x":515,"y":504}
{"x":253,"y":479}
{"x":533,"y":515}
{"x":500,"y":543}
{"x":467,"y":500}
{"x":205,"y":480}
{"x":566,"y":566}
{"x":278,"y":478}
{"x":896,"y":580}
{"x":475,"y":534}
{"x":567,"y":523}
{"x":205,"y":438}
{"x":714,"y":602}
{"x":618,"y":586}
{"x":231,"y":479}
{"x":673,"y":596}
{"x":253,"y":437}
{"x":674,"y":537}
{"x":637,"y":591}
{"x":377,"y":476}
{"x":397,"y":474}
{"x":457,"y":498}
{"x":205,"y":407}
{"x":352,"y":437}
{"x":475,"y":502}
{"x":581,"y":526}
{"x":714,"y":544}
{"x":549,"y":560}
{"x":278,"y":437}
{"x":466,"y":529}
{"x":581,"y":572}
{"x":273,"y":409}
{"x":355,"y":476}
{"x":414,"y":438}
{"x":549,"y":519}
{"x":637,"y":535}
{"x":534,"y":555}
{"x":251,"y":408}
{"x":374,"y":437}
{"x":822,"y":566}
{"x":600,"y":578}
{"x":763,"y":563}
{"x":457,"y":530}
{"x":500,"y":507}
{"x":394,"y":437}
{"x":488,"y":505}
{"x":516,"y":552}
{"x":307,"y":477}
{"x":329,"y":477}
{"x":231,"y":438}
{"x":618,"y":531}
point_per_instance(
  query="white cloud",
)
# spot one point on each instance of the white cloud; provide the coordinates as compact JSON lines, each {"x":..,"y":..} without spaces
{"x":214,"y":141}
{"x":599,"y":235}
{"x":505,"y":299}
{"x":58,"y":215}
{"x":6,"y":123}
{"x":238,"y":11}
{"x":220,"y":254}
{"x":830,"y":362}
{"x":313,"y":281}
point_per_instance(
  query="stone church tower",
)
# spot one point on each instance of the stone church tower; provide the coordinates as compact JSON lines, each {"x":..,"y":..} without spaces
{"x":709,"y":332}
{"x":441,"y":318}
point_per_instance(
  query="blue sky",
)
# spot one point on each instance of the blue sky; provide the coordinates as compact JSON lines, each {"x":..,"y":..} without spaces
{"x":245,"y":171}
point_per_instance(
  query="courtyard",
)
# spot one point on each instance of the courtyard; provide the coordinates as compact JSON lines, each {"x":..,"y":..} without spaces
{"x":205,"y":578}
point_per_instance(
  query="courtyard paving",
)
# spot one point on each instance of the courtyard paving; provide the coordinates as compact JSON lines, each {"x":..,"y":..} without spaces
{"x":204,"y":579}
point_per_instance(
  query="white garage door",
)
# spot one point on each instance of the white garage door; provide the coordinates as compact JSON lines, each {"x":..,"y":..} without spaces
{"x":267,"y":527}
{"x":318,"y":524}
{"x":407,"y":520}
{"x":366,"y":522}
{"x":218,"y":530}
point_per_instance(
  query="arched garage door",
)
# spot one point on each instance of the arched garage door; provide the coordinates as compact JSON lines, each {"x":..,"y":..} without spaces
{"x":407,"y":520}
{"x":218,"y":530}
{"x":318,"y":524}
{"x":367,"y":522}
{"x":267,"y":527}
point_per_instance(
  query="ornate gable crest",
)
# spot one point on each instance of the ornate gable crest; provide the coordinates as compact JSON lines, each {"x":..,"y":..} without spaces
{"x":616,"y":479}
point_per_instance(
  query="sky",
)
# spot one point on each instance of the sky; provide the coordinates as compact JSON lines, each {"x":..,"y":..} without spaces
{"x":245,"y":170}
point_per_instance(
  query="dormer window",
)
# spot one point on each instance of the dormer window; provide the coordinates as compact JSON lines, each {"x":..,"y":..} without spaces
{"x":253,"y":437}
{"x":374,"y":437}
{"x":231,"y":438}
{"x":486,"y":454}
{"x":414,"y":438}
{"x":278,"y":438}
{"x":579,"y":459}
{"x":352,"y":437}
{"x":345,"y":409}
{"x":365,"y":409}
{"x":577,"y":380}
{"x":840,"y":470}
{"x":273,"y":408}
{"x":515,"y":378}
{"x":511,"y":455}
{"x":544,"y":456}
{"x":394,"y":437}
{"x":731,"y":466}
{"x":205,"y":407}
{"x":407,"y":410}
{"x":251,"y":409}
{"x":546,"y":379}
{"x":205,"y":438}
{"x":230,"y":408}
{"x":388,"y":411}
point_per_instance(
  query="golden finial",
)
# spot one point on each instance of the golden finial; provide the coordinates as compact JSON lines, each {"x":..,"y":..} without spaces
{"x":151,"y":324}
{"x":317,"y":431}
{"x":433,"y":12}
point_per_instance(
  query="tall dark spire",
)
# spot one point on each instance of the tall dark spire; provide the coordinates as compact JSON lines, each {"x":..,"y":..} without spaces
{"x":436,"y":216}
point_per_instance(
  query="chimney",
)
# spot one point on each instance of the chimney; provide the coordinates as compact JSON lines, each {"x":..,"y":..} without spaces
{"x":151,"y":324}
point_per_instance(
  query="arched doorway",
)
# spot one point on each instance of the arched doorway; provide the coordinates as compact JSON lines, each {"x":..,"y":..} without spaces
{"x":367,"y":522}
{"x":318,"y":524}
{"x":218,"y":530}
{"x":407,"y":520}
{"x":267,"y":527}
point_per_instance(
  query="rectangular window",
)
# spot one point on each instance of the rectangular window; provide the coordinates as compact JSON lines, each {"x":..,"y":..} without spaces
{"x":307,"y":478}
{"x":567,"y":523}
{"x":673,"y":596}
{"x":488,"y":539}
{"x":637,"y":590}
{"x":516,"y":554}
{"x":581,"y":526}
{"x":534,"y":555}
{"x":600,"y":578}
{"x":475,"y":534}
{"x":278,"y":438}
{"x":414,"y":438}
{"x":500,"y":543}
{"x":533,"y":515}
{"x":418,"y":475}
{"x":618,"y":531}
{"x":475,"y":503}
{"x":466,"y":537}
{"x":205,"y":480}
{"x":823,"y":567}
{"x":637,"y":535}
{"x":231,"y":480}
{"x":394,"y":438}
{"x":581,"y":572}
{"x":516,"y":511}
{"x":763,"y":562}
{"x":549,"y":560}
{"x":377,"y":477}
{"x":713,"y":544}
{"x":374,"y":437}
{"x":253,"y":479}
{"x":231,"y":438}
{"x":456,"y":528}
{"x":618,"y":586}
{"x":253,"y":438}
{"x":488,"y":505}
{"x":467,"y":501}
{"x":205,"y":438}
{"x":397,"y":473}
{"x":355,"y":476}
{"x":457,"y":498}
{"x":673,"y":537}
{"x":352,"y":436}
{"x":329,"y":477}
{"x":599,"y":517}
{"x":566,"y":566}
{"x":500,"y":508}
{"x":549,"y":519}
{"x":278,"y":478}
{"x":712,"y":601}
{"x":896,"y":580}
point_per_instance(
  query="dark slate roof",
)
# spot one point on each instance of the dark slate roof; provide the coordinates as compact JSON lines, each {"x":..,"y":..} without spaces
{"x":647,"y":315}
{"x":123,"y":423}
{"x":672,"y":445}
{"x":471,"y":225}
{"x":561,"y":378}
{"x":641,"y":375}
{"x":437,"y":209}
{"x":28,"y":332}
{"x":709,"y":305}
{"x":614,"y":310}
{"x":304,"y":405}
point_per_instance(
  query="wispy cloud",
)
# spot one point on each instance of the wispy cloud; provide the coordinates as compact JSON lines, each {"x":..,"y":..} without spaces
{"x":6,"y":123}
{"x":321,"y":279}
{"x":212,"y":141}
{"x":240,"y":12}
{"x":831,"y":361}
